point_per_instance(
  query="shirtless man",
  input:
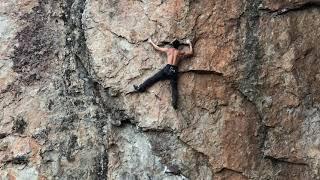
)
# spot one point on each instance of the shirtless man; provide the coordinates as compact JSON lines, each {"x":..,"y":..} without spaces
{"x":170,"y":71}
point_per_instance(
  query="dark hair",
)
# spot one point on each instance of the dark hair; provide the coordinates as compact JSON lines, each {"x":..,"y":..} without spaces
{"x":175,"y":44}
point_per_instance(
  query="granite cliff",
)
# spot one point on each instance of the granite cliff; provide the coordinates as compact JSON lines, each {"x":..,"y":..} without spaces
{"x":249,"y":104}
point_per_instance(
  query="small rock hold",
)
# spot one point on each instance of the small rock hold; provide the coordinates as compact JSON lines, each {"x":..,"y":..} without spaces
{"x":3,"y":145}
{"x":172,"y":169}
{"x":3,"y":135}
{"x":20,"y":160}
{"x":19,"y":125}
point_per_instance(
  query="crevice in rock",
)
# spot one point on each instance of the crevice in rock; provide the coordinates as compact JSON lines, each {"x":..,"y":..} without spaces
{"x":195,"y":150}
{"x":228,"y":169}
{"x":130,"y":121}
{"x":250,"y":53}
{"x":194,"y":28}
{"x":158,"y":130}
{"x":202,"y":71}
{"x":71,"y":145}
{"x":135,"y":43}
{"x":293,"y":8}
{"x":263,"y":129}
{"x":123,"y":37}
{"x":20,"y":160}
{"x":3,"y":135}
{"x":248,"y":86}
{"x":113,"y":33}
{"x":78,"y":54}
{"x":101,"y":164}
{"x":284,"y":160}
{"x":149,"y":19}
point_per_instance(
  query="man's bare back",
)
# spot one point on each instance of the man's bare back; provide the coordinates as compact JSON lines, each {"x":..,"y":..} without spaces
{"x":173,"y":54}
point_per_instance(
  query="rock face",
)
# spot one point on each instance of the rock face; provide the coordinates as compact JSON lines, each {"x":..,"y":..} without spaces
{"x":249,"y":104}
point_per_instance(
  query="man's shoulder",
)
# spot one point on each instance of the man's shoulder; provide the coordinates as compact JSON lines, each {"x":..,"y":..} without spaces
{"x":170,"y":50}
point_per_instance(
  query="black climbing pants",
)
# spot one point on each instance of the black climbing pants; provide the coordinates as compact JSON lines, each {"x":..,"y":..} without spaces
{"x":169,"y":72}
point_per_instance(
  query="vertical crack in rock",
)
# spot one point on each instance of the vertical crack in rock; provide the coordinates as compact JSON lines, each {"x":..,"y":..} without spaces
{"x":250,"y":53}
{"x":248,"y":86}
{"x":263,"y":129}
{"x":109,"y":111}
{"x":77,"y":52}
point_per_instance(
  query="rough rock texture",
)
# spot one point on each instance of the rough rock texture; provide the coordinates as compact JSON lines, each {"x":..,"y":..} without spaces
{"x":249,"y":104}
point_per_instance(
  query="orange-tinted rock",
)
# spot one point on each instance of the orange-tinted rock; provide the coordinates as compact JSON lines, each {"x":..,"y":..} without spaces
{"x":290,"y":60}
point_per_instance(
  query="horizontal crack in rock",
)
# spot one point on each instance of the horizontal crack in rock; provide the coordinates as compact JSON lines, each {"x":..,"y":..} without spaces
{"x":199,"y":71}
{"x":284,"y":160}
{"x":228,"y":169}
{"x":293,"y":8}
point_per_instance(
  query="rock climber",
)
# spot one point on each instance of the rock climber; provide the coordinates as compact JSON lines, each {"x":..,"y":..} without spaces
{"x":169,"y":71}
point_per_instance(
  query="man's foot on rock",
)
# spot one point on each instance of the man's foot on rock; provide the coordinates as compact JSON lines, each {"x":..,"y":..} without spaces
{"x":136,"y":88}
{"x":175,"y":106}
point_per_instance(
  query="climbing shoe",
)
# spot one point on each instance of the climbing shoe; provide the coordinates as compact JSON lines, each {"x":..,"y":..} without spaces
{"x":137,"y":88}
{"x":175,"y":106}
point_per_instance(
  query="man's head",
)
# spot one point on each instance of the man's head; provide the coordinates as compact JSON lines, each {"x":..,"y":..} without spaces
{"x":175,"y":44}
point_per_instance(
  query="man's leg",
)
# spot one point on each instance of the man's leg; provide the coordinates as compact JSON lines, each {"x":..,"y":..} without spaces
{"x":174,"y":93}
{"x":150,"y":81}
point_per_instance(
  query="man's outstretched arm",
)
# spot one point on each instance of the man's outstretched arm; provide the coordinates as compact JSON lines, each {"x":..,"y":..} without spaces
{"x":157,"y":47}
{"x":189,"y":52}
